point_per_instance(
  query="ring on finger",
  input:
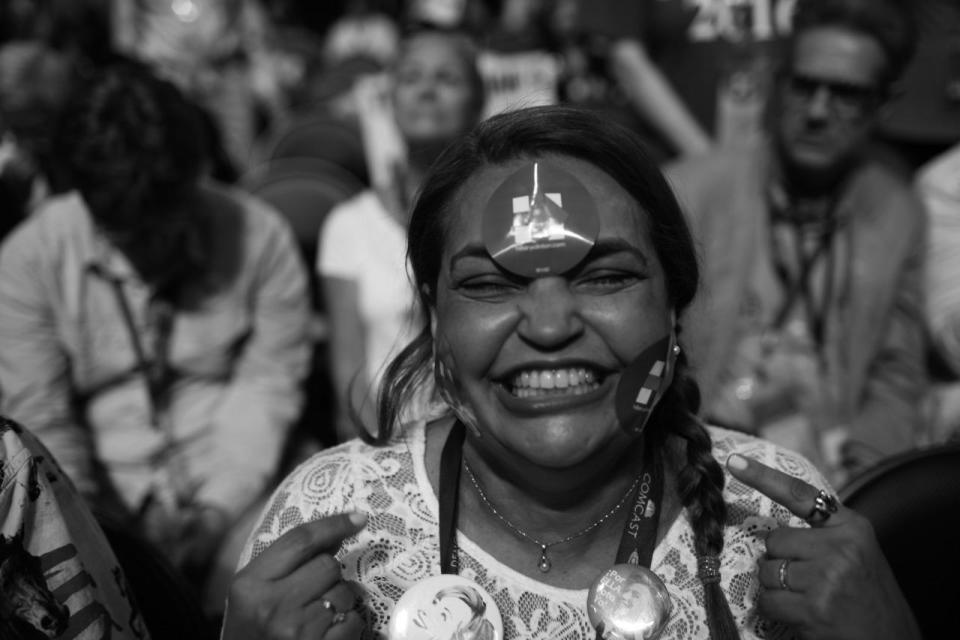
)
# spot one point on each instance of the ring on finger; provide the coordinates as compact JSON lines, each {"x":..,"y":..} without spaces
{"x":338,"y":616}
{"x":824,"y":506}
{"x":782,"y":574}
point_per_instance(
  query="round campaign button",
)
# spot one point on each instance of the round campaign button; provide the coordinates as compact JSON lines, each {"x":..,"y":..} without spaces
{"x":540,"y":221}
{"x":628,"y":602}
{"x":445,"y":607}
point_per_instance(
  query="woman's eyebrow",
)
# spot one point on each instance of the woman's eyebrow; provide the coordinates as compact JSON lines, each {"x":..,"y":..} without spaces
{"x":609,"y":246}
{"x":469,"y":251}
{"x":602,"y":248}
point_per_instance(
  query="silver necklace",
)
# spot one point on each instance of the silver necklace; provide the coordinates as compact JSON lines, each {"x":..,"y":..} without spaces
{"x":544,"y":564}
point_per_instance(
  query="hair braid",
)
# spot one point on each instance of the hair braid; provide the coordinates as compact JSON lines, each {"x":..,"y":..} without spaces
{"x":700,"y":485}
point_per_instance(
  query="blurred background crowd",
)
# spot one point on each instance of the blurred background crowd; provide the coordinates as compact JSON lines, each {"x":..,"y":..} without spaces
{"x":203,"y":209}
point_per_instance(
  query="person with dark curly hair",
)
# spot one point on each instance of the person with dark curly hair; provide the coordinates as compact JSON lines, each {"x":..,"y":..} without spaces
{"x":153,"y":325}
{"x":563,"y":465}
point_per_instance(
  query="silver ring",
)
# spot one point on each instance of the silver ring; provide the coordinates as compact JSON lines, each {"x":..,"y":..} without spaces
{"x":782,"y":574}
{"x":824,"y":506}
{"x":326,"y":604}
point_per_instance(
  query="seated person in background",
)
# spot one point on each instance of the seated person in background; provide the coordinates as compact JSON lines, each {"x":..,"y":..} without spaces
{"x":810,"y":324}
{"x":153,"y":325}
{"x":938,"y":183}
{"x":59,"y":575}
{"x":436,"y":95}
{"x":35,"y":80}
{"x":568,"y":441}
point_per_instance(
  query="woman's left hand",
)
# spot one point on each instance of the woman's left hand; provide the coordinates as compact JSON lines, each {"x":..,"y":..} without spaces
{"x":828,"y":581}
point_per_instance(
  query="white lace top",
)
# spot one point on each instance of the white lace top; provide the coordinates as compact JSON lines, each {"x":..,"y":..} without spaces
{"x":399,"y":546}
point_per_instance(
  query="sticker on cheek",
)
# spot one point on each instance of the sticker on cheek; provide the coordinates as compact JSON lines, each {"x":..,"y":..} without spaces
{"x":540,"y":221}
{"x":644,"y":382}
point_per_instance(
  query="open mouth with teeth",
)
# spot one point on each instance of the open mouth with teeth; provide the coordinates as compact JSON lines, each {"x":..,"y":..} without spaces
{"x":546,"y":383}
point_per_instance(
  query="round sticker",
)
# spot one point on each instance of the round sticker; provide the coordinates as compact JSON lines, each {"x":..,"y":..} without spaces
{"x":629,"y":602}
{"x":446,"y":607}
{"x":540,"y":221}
{"x":644,"y":382}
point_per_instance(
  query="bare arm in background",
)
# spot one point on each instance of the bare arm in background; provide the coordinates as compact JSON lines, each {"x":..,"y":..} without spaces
{"x":654,"y":99}
{"x":348,"y":355}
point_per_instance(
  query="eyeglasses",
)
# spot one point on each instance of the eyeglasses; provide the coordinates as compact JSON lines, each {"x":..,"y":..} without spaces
{"x":845,"y":99}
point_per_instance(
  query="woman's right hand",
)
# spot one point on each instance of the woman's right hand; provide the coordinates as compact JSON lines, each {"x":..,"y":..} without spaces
{"x":294,"y":590}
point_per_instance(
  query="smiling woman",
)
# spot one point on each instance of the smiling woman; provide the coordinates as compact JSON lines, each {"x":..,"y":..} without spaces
{"x":436,"y":95}
{"x":563,"y":475}
{"x":493,"y":327}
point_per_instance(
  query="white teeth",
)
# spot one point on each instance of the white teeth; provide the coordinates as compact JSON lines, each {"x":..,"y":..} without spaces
{"x":554,"y":378}
{"x":546,"y":379}
{"x":554,"y":381}
{"x":579,"y":390}
{"x":561,"y":379}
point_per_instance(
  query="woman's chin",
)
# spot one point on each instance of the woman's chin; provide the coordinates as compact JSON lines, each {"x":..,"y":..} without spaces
{"x":558,"y":450}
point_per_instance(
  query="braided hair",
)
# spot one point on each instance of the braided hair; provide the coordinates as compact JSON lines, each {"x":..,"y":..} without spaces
{"x":565,"y":131}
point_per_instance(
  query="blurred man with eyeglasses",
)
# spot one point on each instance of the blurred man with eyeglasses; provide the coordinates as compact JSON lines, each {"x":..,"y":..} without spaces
{"x":810,"y":331}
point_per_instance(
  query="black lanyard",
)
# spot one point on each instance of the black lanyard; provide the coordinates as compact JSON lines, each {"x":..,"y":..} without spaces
{"x":157,"y":371}
{"x":798,"y":285}
{"x":637,"y":542}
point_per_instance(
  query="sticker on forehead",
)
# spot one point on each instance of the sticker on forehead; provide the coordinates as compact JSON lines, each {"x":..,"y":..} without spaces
{"x":541,"y":220}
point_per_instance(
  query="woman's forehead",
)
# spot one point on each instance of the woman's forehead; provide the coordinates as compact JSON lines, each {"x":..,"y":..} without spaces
{"x":437,"y":47}
{"x":618,"y":214}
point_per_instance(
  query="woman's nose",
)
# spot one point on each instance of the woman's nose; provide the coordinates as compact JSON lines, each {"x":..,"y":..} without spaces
{"x":550,"y":314}
{"x":425,"y":87}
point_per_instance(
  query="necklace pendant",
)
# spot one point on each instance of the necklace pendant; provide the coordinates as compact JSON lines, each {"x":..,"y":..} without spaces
{"x":544,"y":565}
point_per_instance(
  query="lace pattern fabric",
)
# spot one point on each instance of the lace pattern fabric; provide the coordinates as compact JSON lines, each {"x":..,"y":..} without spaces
{"x":400,"y":546}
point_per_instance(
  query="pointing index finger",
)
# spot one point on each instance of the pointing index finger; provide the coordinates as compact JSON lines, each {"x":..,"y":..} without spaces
{"x":793,"y":493}
{"x":306,"y":541}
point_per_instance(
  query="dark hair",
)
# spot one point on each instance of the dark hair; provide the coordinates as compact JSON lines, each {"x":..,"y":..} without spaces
{"x":134,"y":148}
{"x":129,"y":140}
{"x":35,"y":84}
{"x":79,"y":28}
{"x":891,"y":23}
{"x":580,"y":134}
